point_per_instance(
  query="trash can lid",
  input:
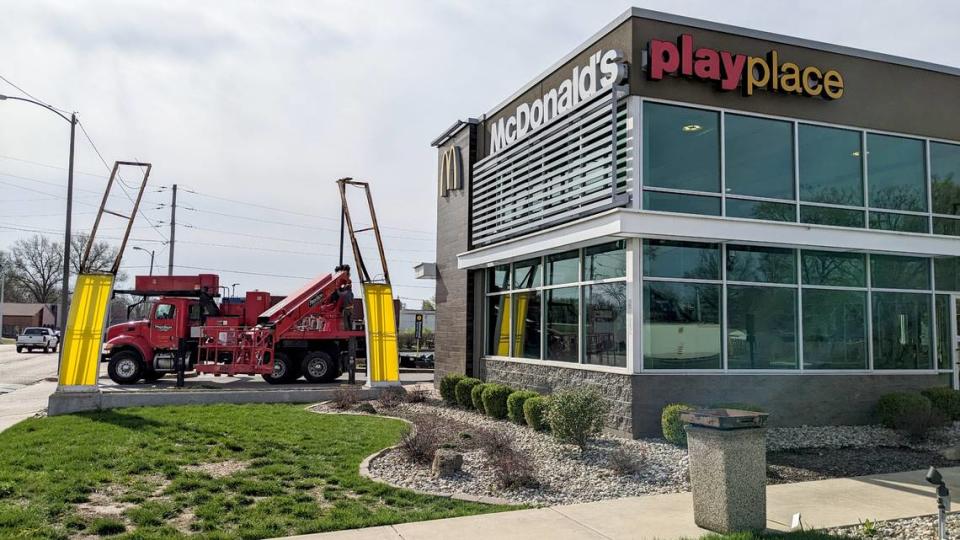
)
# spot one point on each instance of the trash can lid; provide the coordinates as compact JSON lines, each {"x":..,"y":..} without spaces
{"x":725,"y":418}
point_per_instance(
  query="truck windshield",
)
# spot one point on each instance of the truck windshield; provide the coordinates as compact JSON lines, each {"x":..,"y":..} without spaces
{"x":164,"y":311}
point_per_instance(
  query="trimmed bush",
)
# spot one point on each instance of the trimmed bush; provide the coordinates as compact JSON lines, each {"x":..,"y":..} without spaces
{"x":476,"y":396}
{"x":463,"y":389}
{"x":740,"y":406}
{"x":576,"y":415}
{"x":448,"y":387}
{"x":495,"y":400}
{"x":671,"y":424}
{"x":893,"y":408}
{"x":535,"y":412}
{"x":944,"y":399}
{"x":515,"y":403}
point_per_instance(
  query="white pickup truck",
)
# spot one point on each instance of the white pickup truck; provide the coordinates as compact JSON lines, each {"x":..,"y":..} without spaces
{"x":37,"y":338}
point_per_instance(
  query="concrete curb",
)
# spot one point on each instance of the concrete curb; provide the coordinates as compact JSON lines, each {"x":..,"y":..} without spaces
{"x":365,"y":471}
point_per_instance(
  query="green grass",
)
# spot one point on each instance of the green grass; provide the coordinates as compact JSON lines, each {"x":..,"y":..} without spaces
{"x":7,"y":341}
{"x":300,"y":477}
{"x":802,"y":535}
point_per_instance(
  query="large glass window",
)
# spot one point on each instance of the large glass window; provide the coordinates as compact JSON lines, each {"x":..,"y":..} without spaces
{"x":605,"y":261}
{"x":895,"y":169}
{"x":681,"y":325}
{"x":831,"y":170}
{"x":832,"y":268}
{"x":681,"y":148}
{"x":946,"y":272}
{"x":901,"y":331}
{"x":943,"y":331}
{"x":681,"y":203}
{"x":526,"y":274}
{"x":896,"y":272}
{"x":563,"y":311}
{"x":889,"y":221}
{"x":946,"y":226}
{"x":827,"y":215}
{"x":498,"y":325}
{"x":563,"y":268}
{"x":688,"y":260}
{"x":498,"y":279}
{"x":527,"y":317}
{"x":945,"y":177}
{"x":766,"y":210}
{"x":761,"y":264}
{"x":605,"y":324}
{"x":761,"y":327}
{"x":759,"y":157}
{"x":834,"y":329}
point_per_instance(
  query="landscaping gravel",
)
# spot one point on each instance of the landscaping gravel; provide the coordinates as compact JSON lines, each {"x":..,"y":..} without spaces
{"x":802,"y":465}
{"x":921,"y":528}
{"x":565,"y":474}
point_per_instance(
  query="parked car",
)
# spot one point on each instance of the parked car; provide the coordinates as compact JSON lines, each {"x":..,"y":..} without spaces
{"x":37,"y":338}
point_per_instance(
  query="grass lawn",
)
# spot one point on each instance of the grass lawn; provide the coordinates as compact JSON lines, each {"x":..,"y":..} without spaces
{"x":215,"y":471}
{"x":803,"y":535}
{"x":7,"y":341}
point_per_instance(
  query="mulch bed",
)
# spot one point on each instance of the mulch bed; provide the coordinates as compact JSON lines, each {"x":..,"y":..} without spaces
{"x":802,"y":465}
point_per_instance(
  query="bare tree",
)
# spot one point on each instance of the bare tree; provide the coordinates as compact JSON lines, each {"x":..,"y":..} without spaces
{"x":38,"y":268}
{"x":13,"y":292}
{"x":100,"y":259}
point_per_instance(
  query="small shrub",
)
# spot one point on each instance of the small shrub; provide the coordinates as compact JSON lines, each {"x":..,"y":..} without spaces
{"x":416,"y":395}
{"x":367,"y":408}
{"x":917,"y":425}
{"x":944,"y":399}
{"x":627,"y":461}
{"x":448,"y":387}
{"x":420,"y":443}
{"x":495,"y":400}
{"x":515,"y":403}
{"x":107,"y":526}
{"x":495,"y":443}
{"x":535,"y":412}
{"x":346,"y":397}
{"x":671,"y":424}
{"x":390,"y":397}
{"x":739,"y":406}
{"x":576,"y":415}
{"x":513,"y":470}
{"x":892,"y":409}
{"x":463,"y":389}
{"x":476,"y":396}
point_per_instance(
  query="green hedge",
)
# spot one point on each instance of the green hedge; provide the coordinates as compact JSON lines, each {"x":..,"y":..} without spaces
{"x":495,"y":400}
{"x":893,"y":409}
{"x":476,"y":396}
{"x":671,"y":424}
{"x":515,"y":404}
{"x":535,"y":412}
{"x":946,"y":400}
{"x":448,"y":387}
{"x":462,"y":391}
{"x":577,"y":415}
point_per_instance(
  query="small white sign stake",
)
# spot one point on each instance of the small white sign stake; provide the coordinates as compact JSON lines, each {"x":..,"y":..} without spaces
{"x":796,"y":523}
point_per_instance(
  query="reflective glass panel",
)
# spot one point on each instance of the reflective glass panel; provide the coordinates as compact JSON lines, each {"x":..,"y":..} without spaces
{"x":563,"y":268}
{"x":681,"y":326}
{"x":901,"y":331}
{"x":834,"y":329}
{"x":761,"y":264}
{"x":527,"y":320}
{"x":943,"y":331}
{"x":765,"y":210}
{"x":946,"y":226}
{"x":825,"y":215}
{"x":690,"y":260}
{"x":946,"y":271}
{"x":605,"y":261}
{"x":830,"y":165}
{"x":759,"y":156}
{"x":526,"y":274}
{"x":895,"y":168}
{"x":945,"y":177}
{"x":681,"y":203}
{"x":605,"y":324}
{"x":834,"y":268}
{"x":498,"y":278}
{"x":888,"y":221}
{"x":681,"y":148}
{"x":761,"y":327}
{"x":896,"y":272}
{"x":498,"y":325}
{"x":563,"y":309}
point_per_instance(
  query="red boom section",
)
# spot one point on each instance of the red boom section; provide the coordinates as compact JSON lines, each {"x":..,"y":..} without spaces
{"x":310,"y":309}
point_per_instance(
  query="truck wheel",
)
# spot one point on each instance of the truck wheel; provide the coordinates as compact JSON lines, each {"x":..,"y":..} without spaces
{"x":125,"y":367}
{"x":20,"y":349}
{"x":284,"y":370}
{"x":318,"y":367}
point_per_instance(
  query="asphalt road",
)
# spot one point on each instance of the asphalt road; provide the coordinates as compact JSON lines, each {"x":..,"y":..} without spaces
{"x":18,"y":370}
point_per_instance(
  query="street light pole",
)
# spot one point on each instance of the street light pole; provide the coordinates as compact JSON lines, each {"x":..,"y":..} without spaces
{"x":151,"y":256}
{"x":65,"y":293}
{"x":3,"y":281}
{"x":233,"y":291}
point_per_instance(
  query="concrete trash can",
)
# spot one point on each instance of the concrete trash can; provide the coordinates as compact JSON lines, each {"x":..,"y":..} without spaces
{"x":728,"y":469}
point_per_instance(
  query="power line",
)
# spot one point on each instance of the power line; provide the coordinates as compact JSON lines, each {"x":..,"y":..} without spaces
{"x":31,"y":96}
{"x":51,"y":166}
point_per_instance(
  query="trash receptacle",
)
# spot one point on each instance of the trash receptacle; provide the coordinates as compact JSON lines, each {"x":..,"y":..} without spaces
{"x":728,"y":469}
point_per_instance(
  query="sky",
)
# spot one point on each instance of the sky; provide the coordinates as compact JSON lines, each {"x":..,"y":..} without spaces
{"x":254,"y":109}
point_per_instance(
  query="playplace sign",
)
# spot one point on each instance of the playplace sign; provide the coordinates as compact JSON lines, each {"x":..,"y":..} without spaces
{"x":730,"y":70}
{"x":603,"y":70}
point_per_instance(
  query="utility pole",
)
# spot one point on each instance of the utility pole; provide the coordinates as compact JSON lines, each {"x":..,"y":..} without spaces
{"x":65,"y":292}
{"x":3,"y":281}
{"x":173,"y":229}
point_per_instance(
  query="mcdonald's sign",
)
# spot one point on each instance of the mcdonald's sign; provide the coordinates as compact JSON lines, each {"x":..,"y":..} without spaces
{"x":451,"y":168}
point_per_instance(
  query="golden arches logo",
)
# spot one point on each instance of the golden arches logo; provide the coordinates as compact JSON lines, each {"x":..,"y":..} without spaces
{"x":451,"y":167}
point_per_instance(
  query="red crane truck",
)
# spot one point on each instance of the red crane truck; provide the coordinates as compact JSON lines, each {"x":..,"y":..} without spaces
{"x":302,"y":334}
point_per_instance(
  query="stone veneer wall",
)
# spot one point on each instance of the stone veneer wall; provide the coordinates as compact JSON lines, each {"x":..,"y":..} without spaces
{"x":616,"y":388}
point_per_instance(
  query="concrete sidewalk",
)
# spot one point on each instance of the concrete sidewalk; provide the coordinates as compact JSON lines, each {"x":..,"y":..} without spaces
{"x":824,"y":503}
{"x":24,"y":402}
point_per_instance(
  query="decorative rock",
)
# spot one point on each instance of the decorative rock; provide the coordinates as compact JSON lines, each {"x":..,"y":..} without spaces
{"x":446,"y":462}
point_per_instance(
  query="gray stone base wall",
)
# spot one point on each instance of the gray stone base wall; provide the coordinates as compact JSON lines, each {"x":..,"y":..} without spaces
{"x":615,"y":388}
{"x":791,"y":400}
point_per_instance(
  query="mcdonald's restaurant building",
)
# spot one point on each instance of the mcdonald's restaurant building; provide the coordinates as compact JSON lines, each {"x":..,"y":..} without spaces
{"x":685,"y":211}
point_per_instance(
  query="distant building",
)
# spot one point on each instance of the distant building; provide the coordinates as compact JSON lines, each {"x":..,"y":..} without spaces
{"x":19,"y":316}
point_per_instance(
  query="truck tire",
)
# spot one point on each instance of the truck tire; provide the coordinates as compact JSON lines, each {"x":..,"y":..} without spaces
{"x":284,"y":370}
{"x":125,"y":367}
{"x":318,"y":367}
{"x":20,"y":350}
